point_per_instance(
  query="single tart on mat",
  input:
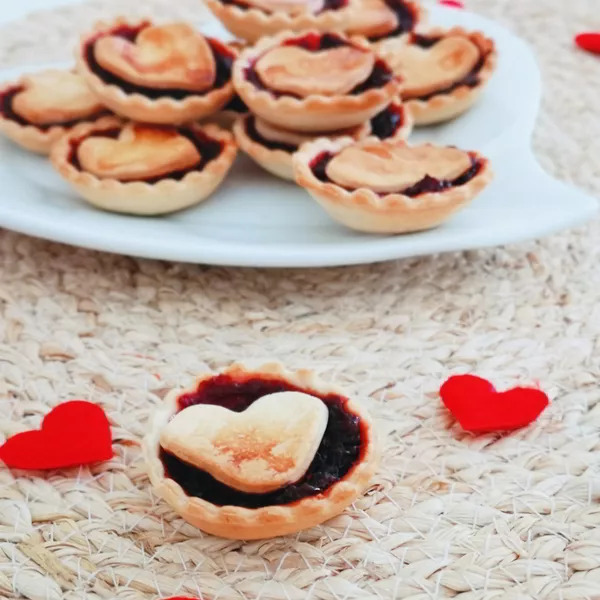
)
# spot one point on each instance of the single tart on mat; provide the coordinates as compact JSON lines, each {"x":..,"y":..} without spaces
{"x":314,"y":82}
{"x":388,"y":186}
{"x":443,"y":71}
{"x":144,"y":169}
{"x":253,"y":19}
{"x":379,"y":20}
{"x":272,"y":147}
{"x":40,"y":108}
{"x":258,"y":453}
{"x":164,"y":74}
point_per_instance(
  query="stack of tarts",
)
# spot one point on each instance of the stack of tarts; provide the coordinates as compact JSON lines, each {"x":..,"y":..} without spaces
{"x":324,"y":93}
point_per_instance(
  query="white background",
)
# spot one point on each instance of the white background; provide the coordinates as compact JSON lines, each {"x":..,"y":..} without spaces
{"x":10,"y":10}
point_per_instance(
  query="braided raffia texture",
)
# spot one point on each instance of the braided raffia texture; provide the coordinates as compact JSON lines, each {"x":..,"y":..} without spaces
{"x":449,"y":515}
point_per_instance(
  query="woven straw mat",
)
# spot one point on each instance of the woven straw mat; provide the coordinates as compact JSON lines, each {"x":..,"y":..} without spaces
{"x":449,"y":515}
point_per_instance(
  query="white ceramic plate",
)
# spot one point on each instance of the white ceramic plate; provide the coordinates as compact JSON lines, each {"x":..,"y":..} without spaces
{"x":257,"y":220}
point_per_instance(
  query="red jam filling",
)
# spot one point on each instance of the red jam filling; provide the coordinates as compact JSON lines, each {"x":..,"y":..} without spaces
{"x":406,"y":18}
{"x":327,"y":5}
{"x":427,"y":185}
{"x":386,"y":123}
{"x":236,"y":104}
{"x":470,"y":80}
{"x":6,"y":110}
{"x":313,"y":42}
{"x":224,"y":58}
{"x":208,"y":149}
{"x":344,"y":442}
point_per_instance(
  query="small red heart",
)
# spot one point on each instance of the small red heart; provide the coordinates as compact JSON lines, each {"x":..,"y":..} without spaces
{"x":478,"y":407}
{"x":590,"y":42}
{"x":73,"y":433}
{"x":452,"y":3}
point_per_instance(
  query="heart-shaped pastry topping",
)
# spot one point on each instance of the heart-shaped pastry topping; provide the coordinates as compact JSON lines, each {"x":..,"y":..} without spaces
{"x":140,"y":152}
{"x":55,"y":97}
{"x":295,"y":70}
{"x":291,"y":7}
{"x":426,"y":70}
{"x":393,"y":167}
{"x":264,"y":448}
{"x":371,"y":18}
{"x":167,"y":57}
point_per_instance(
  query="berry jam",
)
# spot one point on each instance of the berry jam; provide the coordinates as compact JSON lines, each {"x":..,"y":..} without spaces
{"x":386,"y":123}
{"x":236,"y":104}
{"x":406,"y":18}
{"x":314,"y":42}
{"x":208,"y":148}
{"x":7,"y":111}
{"x":427,"y":185}
{"x":223,"y":60}
{"x":341,"y":448}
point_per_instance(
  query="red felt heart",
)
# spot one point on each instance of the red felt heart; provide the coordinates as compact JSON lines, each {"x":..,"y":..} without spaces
{"x":452,"y":3}
{"x":73,"y":433}
{"x":478,"y":407}
{"x":590,"y":42}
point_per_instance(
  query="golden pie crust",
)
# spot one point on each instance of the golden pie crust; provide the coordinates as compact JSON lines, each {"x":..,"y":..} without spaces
{"x":364,"y":209}
{"x":138,"y":107}
{"x":103,"y":189}
{"x":33,"y":105}
{"x":444,"y":106}
{"x":277,"y":161}
{"x":313,"y":112}
{"x":236,"y":522}
{"x":253,"y":23}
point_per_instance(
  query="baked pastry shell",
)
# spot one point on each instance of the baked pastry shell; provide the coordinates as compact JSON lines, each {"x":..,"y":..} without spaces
{"x":446,"y":106}
{"x":30,"y":137}
{"x":139,"y":197}
{"x":251,"y":24}
{"x":364,"y":210}
{"x":136,"y":106}
{"x":314,"y":112}
{"x":276,"y":161}
{"x":242,"y":523}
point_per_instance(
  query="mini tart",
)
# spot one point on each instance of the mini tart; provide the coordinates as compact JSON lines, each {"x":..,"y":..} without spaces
{"x":253,"y":19}
{"x":313,"y":81}
{"x":340,"y":472}
{"x":387,"y":186}
{"x":272,"y":148}
{"x":378,"y":20}
{"x":165,"y":74}
{"x":444,"y":71}
{"x":40,"y":108}
{"x":144,"y":169}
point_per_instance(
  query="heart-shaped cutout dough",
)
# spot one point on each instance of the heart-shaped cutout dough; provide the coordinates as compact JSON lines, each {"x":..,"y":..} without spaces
{"x":264,"y":448}
{"x":291,"y":7}
{"x":140,"y":152}
{"x":295,"y":70}
{"x":389,"y":167}
{"x":426,"y":70}
{"x":167,"y":57}
{"x":55,"y":97}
